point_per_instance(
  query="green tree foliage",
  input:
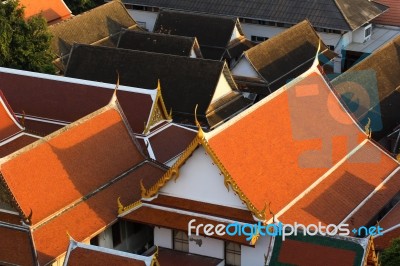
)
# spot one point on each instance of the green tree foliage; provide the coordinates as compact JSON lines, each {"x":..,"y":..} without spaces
{"x":24,"y":44}
{"x":79,"y":6}
{"x":391,"y":255}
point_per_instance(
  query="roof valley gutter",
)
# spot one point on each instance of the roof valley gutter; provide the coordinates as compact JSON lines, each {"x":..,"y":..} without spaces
{"x":86,"y":197}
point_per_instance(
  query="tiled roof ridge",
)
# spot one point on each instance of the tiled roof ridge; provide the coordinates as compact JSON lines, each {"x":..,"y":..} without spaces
{"x":343,"y":15}
{"x":54,"y":134}
{"x":86,"y":197}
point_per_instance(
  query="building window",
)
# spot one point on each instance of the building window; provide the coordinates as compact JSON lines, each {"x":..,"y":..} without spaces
{"x":367,"y":32}
{"x":331,"y":47}
{"x":258,"y":38}
{"x":141,"y":24}
{"x":232,"y":254}
{"x":181,"y":241}
{"x":128,"y":6}
{"x":94,"y":241}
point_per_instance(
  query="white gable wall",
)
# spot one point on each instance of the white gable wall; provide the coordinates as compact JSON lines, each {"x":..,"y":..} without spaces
{"x":210,"y":247}
{"x":235,"y":34}
{"x":201,"y":180}
{"x":163,"y":237}
{"x":144,"y":17}
{"x":255,"y":255}
{"x":223,"y":88}
{"x":244,"y":69}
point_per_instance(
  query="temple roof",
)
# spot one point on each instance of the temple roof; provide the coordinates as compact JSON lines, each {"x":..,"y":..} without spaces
{"x":212,"y":32}
{"x":9,"y":125}
{"x":16,"y":245}
{"x":391,"y":228}
{"x":90,"y":27}
{"x":182,"y":89}
{"x":157,"y":43}
{"x":371,"y":89}
{"x":301,"y":131}
{"x":343,"y":15}
{"x":319,"y":250}
{"x":83,"y":254}
{"x":287,"y":55}
{"x":53,"y":11}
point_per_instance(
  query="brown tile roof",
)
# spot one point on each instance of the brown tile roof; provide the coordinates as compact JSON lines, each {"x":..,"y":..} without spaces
{"x":170,"y":141}
{"x":67,"y":100}
{"x":83,"y":254}
{"x":392,"y":16}
{"x":53,"y":11}
{"x":297,"y":134}
{"x":168,"y":257}
{"x":70,"y":164}
{"x":91,"y":216}
{"x":204,"y":208}
{"x":287,"y":55}
{"x":147,"y":214}
{"x":368,"y":213}
{"x":91,"y":26}
{"x":9,"y":125}
{"x":21,"y":141}
{"x":16,"y":245}
{"x":390,"y":222}
{"x":343,"y":190}
{"x":318,"y":250}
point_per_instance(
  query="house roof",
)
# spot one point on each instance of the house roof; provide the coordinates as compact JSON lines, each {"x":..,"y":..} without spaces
{"x":16,"y":245}
{"x":176,"y":218}
{"x":89,"y":27}
{"x":53,"y":11}
{"x":51,"y":102}
{"x":391,"y":226}
{"x":68,"y":164}
{"x":156,"y":43}
{"x":169,"y":257}
{"x":100,"y":209}
{"x":371,"y":89}
{"x":9,"y":125}
{"x":168,"y":142}
{"x":83,"y":254}
{"x":318,"y":250}
{"x":287,"y":55}
{"x":182,"y":89}
{"x":391,"y":17}
{"x":12,"y":133}
{"x":292,"y":133}
{"x":210,"y":30}
{"x":335,"y":197}
{"x":331,"y":14}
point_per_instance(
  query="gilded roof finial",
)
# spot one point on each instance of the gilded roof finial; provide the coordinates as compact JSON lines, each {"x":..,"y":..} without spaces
{"x":114,"y":96}
{"x":200,"y":134}
{"x":367,"y":128}
{"x":316,"y":59}
{"x":120,"y":206}
{"x":23,"y":119}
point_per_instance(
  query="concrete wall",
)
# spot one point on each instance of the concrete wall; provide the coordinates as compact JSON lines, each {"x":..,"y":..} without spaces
{"x":163,"y":237}
{"x":144,"y":16}
{"x":209,"y":247}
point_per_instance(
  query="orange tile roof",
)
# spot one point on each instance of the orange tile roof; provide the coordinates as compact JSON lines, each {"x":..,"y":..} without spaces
{"x":90,"y":217}
{"x":168,"y":257}
{"x":279,"y":147}
{"x":71,"y":163}
{"x":8,"y":122}
{"x":392,"y":218}
{"x":52,"y":11}
{"x":332,"y":200}
{"x":391,"y":222}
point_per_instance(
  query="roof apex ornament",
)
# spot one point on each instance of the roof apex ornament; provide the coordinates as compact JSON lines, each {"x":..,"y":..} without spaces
{"x":114,"y":96}
{"x":120,"y":206}
{"x":367,"y":128}
{"x":28,"y":219}
{"x":200,"y":134}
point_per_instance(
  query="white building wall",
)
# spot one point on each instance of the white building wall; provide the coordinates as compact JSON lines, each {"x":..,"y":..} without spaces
{"x":244,"y":69}
{"x":209,"y":247}
{"x":105,"y":238}
{"x":256,"y":255}
{"x":144,"y":17}
{"x":193,"y":54}
{"x":163,"y":237}
{"x":201,"y":180}
{"x":260,"y":30}
{"x":223,"y":88}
